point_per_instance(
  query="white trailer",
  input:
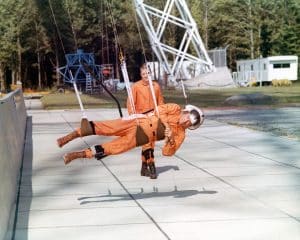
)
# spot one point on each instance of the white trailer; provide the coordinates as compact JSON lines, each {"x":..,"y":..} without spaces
{"x":266,"y":69}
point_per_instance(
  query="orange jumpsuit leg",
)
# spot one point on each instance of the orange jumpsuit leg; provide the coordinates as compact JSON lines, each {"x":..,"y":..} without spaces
{"x":148,"y":149}
{"x":124,"y":129}
{"x":117,"y":127}
{"x":120,"y":144}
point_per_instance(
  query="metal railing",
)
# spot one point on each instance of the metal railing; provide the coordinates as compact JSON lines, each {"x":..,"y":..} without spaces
{"x":246,"y":77}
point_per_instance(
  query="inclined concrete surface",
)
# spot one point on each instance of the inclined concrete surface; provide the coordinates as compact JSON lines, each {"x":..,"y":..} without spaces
{"x":225,"y":183}
{"x":12,"y":132}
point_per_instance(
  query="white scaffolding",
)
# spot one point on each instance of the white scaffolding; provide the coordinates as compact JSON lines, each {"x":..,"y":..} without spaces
{"x":191,"y":47}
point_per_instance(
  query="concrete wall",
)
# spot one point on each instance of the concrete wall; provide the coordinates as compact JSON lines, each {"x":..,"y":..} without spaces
{"x":12,"y":131}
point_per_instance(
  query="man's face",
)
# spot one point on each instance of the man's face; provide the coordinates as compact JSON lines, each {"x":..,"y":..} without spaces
{"x":144,"y":74}
{"x":184,"y":120}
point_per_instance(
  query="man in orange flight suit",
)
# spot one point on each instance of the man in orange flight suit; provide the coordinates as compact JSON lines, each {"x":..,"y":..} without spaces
{"x":143,"y":102}
{"x":175,"y":120}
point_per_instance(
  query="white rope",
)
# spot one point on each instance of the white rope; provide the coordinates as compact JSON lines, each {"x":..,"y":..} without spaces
{"x":56,"y":25}
{"x":71,"y":24}
{"x":127,"y":82}
{"x":183,"y":88}
{"x":77,"y":95}
{"x":148,"y":70}
{"x":122,"y":61}
{"x":152,"y":91}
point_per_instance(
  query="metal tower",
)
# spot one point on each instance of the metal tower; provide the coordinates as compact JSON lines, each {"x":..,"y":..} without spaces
{"x":75,"y":70}
{"x":191,"y":48}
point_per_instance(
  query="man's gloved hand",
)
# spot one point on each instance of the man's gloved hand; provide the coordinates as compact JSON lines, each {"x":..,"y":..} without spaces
{"x":169,"y":138}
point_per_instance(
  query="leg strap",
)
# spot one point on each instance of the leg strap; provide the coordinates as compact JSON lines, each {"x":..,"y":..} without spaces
{"x":99,"y":152}
{"x":148,"y":153}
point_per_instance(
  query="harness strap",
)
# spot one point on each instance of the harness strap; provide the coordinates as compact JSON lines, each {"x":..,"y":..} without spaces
{"x":140,"y":136}
{"x":149,"y":111}
{"x":148,"y":153}
{"x":160,"y":131}
{"x":87,"y":127}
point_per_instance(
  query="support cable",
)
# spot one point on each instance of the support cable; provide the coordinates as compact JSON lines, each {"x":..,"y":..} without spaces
{"x":168,"y":7}
{"x":149,"y":77}
{"x":71,"y":23}
{"x":84,"y":118}
{"x":56,"y":25}
{"x":122,"y":60}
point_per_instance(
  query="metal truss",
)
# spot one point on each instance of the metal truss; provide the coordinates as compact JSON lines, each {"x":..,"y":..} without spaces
{"x":191,"y":47}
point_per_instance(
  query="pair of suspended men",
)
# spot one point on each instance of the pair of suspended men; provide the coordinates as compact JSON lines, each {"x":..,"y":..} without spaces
{"x":146,"y":124}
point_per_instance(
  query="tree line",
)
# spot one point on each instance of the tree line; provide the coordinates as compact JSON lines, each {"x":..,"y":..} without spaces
{"x":35,"y":35}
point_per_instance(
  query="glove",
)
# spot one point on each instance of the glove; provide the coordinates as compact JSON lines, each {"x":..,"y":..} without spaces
{"x":169,"y":138}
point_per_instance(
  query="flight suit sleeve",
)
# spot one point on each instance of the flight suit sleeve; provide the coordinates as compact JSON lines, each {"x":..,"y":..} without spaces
{"x":171,"y":147}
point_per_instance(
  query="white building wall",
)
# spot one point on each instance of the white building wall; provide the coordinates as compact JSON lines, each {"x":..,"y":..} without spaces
{"x":289,"y":73}
{"x":262,"y":69}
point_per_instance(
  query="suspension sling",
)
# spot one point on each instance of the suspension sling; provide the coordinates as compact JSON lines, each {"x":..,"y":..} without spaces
{"x":86,"y":128}
{"x":160,"y":131}
{"x":141,"y":137}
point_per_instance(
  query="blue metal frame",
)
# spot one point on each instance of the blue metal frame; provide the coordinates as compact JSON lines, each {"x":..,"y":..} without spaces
{"x":75,"y":64}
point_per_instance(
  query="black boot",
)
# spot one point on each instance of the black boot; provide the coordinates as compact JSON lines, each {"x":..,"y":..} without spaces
{"x":99,"y":152}
{"x":145,"y":170}
{"x":152,"y":170}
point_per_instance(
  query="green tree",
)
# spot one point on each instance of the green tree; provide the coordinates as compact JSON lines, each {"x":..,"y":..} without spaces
{"x":36,"y":45}
{"x":285,"y":37}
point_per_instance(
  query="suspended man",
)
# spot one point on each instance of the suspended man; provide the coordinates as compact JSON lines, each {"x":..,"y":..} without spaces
{"x":170,"y":125}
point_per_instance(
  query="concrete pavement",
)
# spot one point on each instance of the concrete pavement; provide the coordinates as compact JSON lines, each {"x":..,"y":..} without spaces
{"x":225,"y":182}
{"x":279,"y":121}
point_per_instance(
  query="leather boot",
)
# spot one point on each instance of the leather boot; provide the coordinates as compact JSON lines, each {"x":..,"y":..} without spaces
{"x":152,"y":170}
{"x":65,"y":139}
{"x":144,"y":170}
{"x":69,"y":157}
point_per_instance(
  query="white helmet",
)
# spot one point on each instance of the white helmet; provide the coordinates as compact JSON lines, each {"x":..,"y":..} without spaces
{"x":196,"y":116}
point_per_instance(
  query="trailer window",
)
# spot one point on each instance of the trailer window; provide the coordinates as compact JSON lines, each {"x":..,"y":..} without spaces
{"x":285,"y":65}
{"x":281,"y":65}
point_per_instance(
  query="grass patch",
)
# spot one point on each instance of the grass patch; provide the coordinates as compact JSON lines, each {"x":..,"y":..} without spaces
{"x":69,"y":101}
{"x":283,"y":96}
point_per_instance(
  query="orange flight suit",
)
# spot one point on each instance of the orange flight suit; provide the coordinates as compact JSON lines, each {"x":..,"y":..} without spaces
{"x":126,"y":130}
{"x":143,"y":102}
{"x":142,"y":97}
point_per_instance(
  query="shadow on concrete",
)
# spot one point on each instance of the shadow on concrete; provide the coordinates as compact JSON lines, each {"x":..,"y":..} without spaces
{"x":24,"y":202}
{"x":166,"y":168}
{"x":125,"y":197}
